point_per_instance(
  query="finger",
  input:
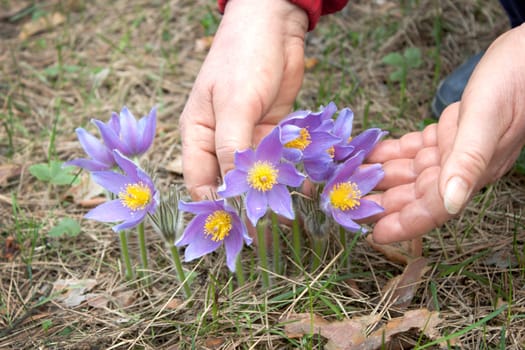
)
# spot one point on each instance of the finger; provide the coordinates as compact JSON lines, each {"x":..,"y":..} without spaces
{"x":404,"y":171}
{"x":235,"y":128}
{"x":199,"y":164}
{"x":417,"y":217}
{"x":476,"y":140}
{"x":397,"y":172}
{"x":405,"y":147}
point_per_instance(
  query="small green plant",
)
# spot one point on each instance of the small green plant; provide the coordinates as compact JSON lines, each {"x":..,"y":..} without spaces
{"x":65,"y":227}
{"x":54,"y":173}
{"x":402,"y":64}
{"x":210,"y":22}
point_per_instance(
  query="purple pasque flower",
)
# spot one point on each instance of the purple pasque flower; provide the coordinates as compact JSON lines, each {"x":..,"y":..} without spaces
{"x":342,"y":195}
{"x":101,"y":155}
{"x":366,"y":141}
{"x":135,"y":192}
{"x":123,"y":132}
{"x":343,"y":129}
{"x":215,"y":223}
{"x":262,"y":175}
{"x":308,"y":137}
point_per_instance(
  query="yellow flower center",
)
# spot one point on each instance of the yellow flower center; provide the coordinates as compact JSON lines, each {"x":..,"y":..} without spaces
{"x":301,"y":142}
{"x":218,"y":225}
{"x":135,"y":196}
{"x":345,"y":196}
{"x":262,"y":176}
{"x":331,"y":152}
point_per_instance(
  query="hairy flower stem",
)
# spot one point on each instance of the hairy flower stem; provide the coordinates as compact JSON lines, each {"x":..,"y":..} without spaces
{"x":318,"y":249}
{"x":180,"y":271}
{"x":345,"y":257}
{"x":239,"y":272}
{"x":296,"y":242}
{"x":143,"y":252}
{"x":276,"y":246}
{"x":263,"y":257}
{"x":125,"y":255}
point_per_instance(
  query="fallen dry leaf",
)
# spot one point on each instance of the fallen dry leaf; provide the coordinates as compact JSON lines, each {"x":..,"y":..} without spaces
{"x":310,"y":62}
{"x":422,"y":319}
{"x":9,"y":171}
{"x":351,"y":334}
{"x":97,"y":300}
{"x":204,"y":43}
{"x":46,"y":22}
{"x":71,"y":292}
{"x":10,"y":250}
{"x":125,"y":298}
{"x":404,"y":286}
{"x":87,"y":193}
{"x":174,"y":304}
{"x":402,"y":252}
{"x":343,"y":333}
{"x":214,"y":342}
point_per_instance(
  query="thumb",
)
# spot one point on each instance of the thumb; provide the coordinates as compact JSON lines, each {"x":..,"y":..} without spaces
{"x":470,"y":154}
{"x":234,"y":130}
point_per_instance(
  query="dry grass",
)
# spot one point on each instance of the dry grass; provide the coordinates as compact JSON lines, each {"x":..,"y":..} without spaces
{"x":142,"y":53}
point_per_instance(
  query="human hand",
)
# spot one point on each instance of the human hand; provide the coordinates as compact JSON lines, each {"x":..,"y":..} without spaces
{"x":431,"y":175}
{"x":248,"y":82}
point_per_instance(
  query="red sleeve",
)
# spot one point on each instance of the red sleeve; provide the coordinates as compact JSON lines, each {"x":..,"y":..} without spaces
{"x":314,"y":8}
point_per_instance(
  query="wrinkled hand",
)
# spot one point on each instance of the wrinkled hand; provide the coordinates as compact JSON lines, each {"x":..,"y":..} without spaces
{"x":248,"y":82}
{"x":431,"y":175}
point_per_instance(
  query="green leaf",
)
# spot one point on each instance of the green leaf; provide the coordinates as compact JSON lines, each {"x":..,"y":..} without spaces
{"x":66,"y":226}
{"x":397,"y":75}
{"x":413,"y":57}
{"x":54,"y":173}
{"x":394,"y":59}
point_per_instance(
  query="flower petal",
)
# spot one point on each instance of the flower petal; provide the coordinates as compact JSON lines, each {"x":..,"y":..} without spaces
{"x":127,"y":165}
{"x":345,"y":170}
{"x":234,"y":184}
{"x":244,"y":159}
{"x":200,"y":246}
{"x":289,"y":133}
{"x":319,"y":168}
{"x":94,"y":148}
{"x":256,"y":205}
{"x":233,"y":245}
{"x":202,"y":207}
{"x":343,"y":124}
{"x":110,"y":137}
{"x":365,"y":209}
{"x":114,"y":123}
{"x":288,"y":175}
{"x":111,"y":181}
{"x":270,"y":149}
{"x":367,"y":140}
{"x":194,"y":229}
{"x":147,"y":126}
{"x":111,"y":211}
{"x":368,"y":177}
{"x":137,"y":218}
{"x":344,"y":220}
{"x":88,"y":164}
{"x":280,"y":201}
{"x":328,"y":111}
{"x":129,"y":130}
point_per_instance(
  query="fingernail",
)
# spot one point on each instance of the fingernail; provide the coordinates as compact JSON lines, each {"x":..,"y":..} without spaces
{"x":456,"y":195}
